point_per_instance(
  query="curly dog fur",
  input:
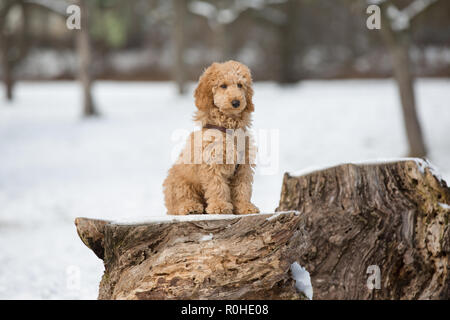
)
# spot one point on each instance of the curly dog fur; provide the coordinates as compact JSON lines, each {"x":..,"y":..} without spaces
{"x":224,"y":100}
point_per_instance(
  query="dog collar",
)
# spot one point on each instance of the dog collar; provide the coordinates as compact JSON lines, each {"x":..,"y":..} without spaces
{"x":212,"y":126}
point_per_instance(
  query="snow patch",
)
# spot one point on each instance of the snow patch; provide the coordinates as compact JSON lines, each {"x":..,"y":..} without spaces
{"x":421,"y":165}
{"x":444,"y":205}
{"x":207,"y":237}
{"x":274,"y":216}
{"x":434,"y":171}
{"x":302,"y":280}
{"x":195,"y":217}
{"x":191,"y":217}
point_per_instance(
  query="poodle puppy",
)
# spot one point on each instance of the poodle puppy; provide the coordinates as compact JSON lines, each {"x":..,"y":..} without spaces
{"x":214,"y":173}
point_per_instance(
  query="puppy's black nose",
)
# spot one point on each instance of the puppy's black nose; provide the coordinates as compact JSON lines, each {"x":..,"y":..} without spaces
{"x":235,"y":103}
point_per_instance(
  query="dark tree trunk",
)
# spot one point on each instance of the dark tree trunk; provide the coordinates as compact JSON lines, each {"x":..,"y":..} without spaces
{"x":221,"y":42}
{"x":220,"y":31}
{"x":405,"y":82}
{"x":9,"y":85}
{"x":350,"y":217}
{"x":288,"y":43}
{"x":179,"y":67}
{"x":7,"y":78}
{"x":85,"y":56}
{"x":13,"y":47}
{"x":398,"y":44}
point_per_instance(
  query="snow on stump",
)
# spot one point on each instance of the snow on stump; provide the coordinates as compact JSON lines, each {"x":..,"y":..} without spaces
{"x":217,"y":257}
{"x":373,"y":231}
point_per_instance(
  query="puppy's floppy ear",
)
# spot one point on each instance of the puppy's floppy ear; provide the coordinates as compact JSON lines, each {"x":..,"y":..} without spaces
{"x":249,"y":97}
{"x":249,"y":90}
{"x":203,"y":94}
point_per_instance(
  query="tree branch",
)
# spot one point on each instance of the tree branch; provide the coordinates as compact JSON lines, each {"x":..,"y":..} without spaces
{"x":401,"y":19}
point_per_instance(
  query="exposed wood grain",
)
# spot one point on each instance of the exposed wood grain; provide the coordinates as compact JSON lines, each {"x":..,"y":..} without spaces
{"x":243,"y":258}
{"x":385,"y":214}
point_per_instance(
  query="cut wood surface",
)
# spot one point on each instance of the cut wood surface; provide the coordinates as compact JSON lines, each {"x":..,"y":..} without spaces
{"x":335,"y":222}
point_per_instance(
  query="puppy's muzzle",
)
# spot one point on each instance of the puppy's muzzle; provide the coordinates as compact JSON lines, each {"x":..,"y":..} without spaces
{"x":235,"y":103}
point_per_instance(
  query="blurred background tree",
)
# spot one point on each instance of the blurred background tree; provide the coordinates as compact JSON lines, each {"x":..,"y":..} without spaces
{"x":281,"y":40}
{"x":179,"y":22}
{"x":396,"y":33}
{"x":85,"y":57}
{"x":14,"y":39}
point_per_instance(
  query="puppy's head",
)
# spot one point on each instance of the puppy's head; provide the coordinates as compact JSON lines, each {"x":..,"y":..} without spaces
{"x":226,"y":86}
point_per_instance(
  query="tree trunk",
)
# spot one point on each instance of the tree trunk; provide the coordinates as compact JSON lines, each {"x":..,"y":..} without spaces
{"x":179,"y":71}
{"x":221,"y":43}
{"x":288,"y":45}
{"x":84,"y":54}
{"x":7,"y":67}
{"x":390,"y":215}
{"x":13,"y":46}
{"x":9,"y":84}
{"x":8,"y":80}
{"x":350,"y":217}
{"x":220,"y":34}
{"x":398,"y":45}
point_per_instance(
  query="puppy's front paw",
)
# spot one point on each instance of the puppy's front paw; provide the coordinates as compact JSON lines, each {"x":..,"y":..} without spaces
{"x":245,"y":208}
{"x":188,"y":207}
{"x":219,"y":208}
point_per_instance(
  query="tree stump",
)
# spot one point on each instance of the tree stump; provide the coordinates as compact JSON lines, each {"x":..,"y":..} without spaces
{"x":393,"y":216}
{"x":234,"y":257}
{"x":348,"y":220}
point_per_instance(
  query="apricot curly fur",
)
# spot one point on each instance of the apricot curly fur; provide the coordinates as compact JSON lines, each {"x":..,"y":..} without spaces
{"x":197,"y":187}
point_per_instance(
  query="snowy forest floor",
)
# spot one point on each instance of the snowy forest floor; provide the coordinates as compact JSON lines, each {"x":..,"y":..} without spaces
{"x":54,"y":166}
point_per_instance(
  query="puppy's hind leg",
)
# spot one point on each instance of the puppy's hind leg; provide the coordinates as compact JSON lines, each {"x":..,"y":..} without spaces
{"x":184,"y":198}
{"x":241,"y":190}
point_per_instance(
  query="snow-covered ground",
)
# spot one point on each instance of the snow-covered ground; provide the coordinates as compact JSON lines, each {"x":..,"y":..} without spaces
{"x":55,"y":166}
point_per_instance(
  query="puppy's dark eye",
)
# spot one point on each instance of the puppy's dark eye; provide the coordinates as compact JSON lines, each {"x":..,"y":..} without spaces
{"x":239,"y":85}
{"x":223,"y":86}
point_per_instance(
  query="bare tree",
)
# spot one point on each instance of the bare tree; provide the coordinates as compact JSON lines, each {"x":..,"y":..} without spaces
{"x":287,"y":32}
{"x":222,"y":13}
{"x":83,"y":48}
{"x":85,"y":56}
{"x":179,"y":67}
{"x":396,"y":34}
{"x":217,"y":20}
{"x":14,"y":44}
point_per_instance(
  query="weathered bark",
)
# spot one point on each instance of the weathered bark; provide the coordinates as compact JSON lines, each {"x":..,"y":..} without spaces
{"x":179,"y":67}
{"x":392,"y":215}
{"x":91,"y":232}
{"x":84,"y":54}
{"x":349,"y":217}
